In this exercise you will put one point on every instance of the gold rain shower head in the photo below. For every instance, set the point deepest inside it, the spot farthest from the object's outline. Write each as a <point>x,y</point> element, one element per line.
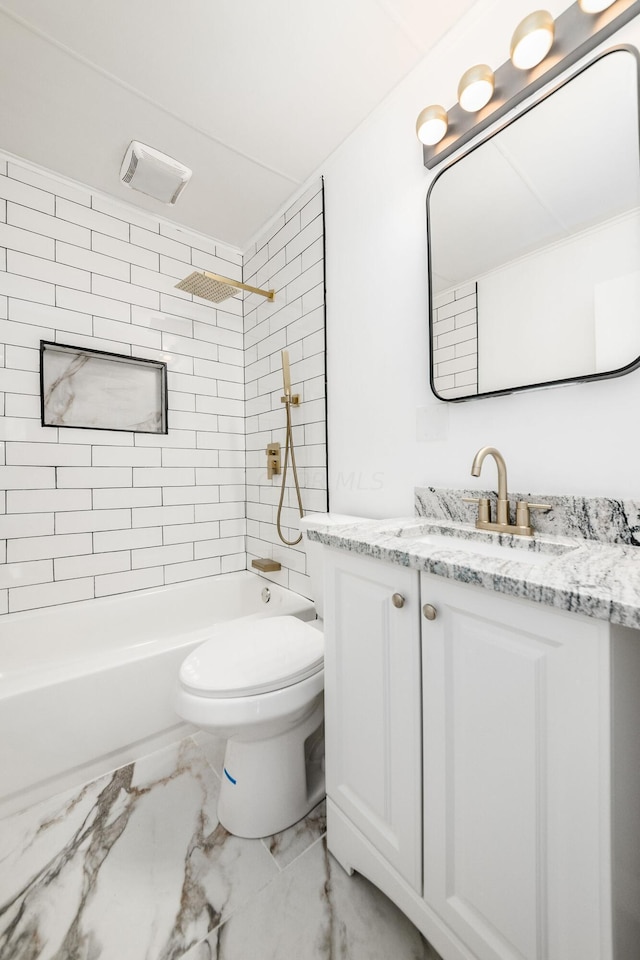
<point>210,286</point>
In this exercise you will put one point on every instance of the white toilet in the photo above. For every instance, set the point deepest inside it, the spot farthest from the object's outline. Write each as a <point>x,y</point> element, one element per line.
<point>260,684</point>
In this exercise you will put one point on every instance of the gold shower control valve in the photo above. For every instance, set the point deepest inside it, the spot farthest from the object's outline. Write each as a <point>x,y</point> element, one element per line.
<point>273,459</point>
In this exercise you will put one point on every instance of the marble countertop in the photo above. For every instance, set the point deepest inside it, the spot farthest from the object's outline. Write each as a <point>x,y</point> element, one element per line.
<point>599,580</point>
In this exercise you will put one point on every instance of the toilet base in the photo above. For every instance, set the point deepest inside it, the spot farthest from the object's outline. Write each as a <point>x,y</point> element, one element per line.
<point>270,784</point>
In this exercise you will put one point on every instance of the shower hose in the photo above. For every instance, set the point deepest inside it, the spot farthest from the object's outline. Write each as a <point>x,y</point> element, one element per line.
<point>289,447</point>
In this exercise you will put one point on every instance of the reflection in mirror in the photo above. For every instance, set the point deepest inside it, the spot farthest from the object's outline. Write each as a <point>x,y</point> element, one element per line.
<point>534,243</point>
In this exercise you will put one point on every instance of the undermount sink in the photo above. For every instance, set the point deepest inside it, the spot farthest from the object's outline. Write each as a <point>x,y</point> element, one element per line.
<point>516,553</point>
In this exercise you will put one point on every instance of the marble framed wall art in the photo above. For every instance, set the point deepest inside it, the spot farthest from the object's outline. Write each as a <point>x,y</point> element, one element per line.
<point>96,390</point>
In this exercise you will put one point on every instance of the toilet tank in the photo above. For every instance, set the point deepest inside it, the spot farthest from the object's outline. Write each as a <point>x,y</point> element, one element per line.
<point>314,552</point>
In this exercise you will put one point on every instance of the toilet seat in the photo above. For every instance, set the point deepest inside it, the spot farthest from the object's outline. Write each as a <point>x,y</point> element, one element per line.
<point>250,657</point>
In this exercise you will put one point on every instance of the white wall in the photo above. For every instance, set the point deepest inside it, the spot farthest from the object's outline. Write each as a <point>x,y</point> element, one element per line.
<point>574,439</point>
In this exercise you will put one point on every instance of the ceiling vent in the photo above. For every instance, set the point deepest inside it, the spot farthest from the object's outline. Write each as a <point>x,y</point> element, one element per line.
<point>153,173</point>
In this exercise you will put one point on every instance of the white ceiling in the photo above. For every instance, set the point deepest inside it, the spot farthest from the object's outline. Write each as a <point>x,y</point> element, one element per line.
<point>253,95</point>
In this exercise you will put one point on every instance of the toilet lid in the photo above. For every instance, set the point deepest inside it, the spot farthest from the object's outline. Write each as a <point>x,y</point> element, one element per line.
<point>247,657</point>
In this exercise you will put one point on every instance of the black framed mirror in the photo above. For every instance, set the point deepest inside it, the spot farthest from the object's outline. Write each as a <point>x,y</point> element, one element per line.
<point>534,243</point>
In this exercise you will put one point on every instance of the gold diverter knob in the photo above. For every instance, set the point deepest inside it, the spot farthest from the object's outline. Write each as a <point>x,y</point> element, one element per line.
<point>397,600</point>
<point>429,611</point>
<point>273,459</point>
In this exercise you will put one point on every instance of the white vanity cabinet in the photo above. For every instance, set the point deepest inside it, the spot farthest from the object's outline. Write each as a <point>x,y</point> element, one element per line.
<point>483,767</point>
<point>516,775</point>
<point>372,704</point>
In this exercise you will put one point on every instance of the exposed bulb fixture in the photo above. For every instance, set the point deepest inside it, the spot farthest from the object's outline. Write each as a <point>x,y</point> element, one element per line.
<point>431,124</point>
<point>573,34</point>
<point>532,40</point>
<point>476,88</point>
<point>594,6</point>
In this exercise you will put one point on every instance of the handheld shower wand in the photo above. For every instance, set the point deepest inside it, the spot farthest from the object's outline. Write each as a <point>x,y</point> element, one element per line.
<point>288,400</point>
<point>286,374</point>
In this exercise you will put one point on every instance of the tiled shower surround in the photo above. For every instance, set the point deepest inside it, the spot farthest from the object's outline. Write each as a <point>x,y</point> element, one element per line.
<point>87,513</point>
<point>455,338</point>
<point>290,259</point>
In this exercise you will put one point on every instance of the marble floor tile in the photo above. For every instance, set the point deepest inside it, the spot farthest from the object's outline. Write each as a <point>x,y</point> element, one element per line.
<point>314,911</point>
<point>134,865</point>
<point>285,846</point>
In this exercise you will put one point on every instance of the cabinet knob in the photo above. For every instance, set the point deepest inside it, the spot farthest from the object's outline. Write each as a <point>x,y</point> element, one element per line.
<point>397,600</point>
<point>429,611</point>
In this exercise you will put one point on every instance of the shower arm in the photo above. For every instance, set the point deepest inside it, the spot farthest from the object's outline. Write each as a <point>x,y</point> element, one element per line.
<point>269,294</point>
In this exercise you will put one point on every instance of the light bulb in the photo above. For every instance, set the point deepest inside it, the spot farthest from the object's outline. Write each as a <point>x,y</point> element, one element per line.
<point>532,40</point>
<point>475,88</point>
<point>431,124</point>
<point>594,6</point>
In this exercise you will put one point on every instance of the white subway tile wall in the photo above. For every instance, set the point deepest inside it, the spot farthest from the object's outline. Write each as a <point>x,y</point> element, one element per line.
<point>290,259</point>
<point>87,513</point>
<point>455,342</point>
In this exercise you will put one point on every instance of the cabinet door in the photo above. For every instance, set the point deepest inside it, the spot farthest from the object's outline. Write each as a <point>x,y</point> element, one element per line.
<point>516,775</point>
<point>373,714</point>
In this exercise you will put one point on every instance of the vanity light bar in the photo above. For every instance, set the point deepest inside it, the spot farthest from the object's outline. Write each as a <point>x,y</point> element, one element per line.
<point>576,32</point>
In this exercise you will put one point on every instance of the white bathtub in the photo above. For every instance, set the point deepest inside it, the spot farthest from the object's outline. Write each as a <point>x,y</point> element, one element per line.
<point>87,686</point>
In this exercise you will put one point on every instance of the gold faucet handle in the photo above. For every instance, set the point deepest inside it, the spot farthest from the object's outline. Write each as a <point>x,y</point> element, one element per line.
<point>522,511</point>
<point>484,515</point>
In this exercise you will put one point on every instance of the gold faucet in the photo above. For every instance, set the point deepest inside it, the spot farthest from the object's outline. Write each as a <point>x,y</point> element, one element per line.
<point>522,526</point>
